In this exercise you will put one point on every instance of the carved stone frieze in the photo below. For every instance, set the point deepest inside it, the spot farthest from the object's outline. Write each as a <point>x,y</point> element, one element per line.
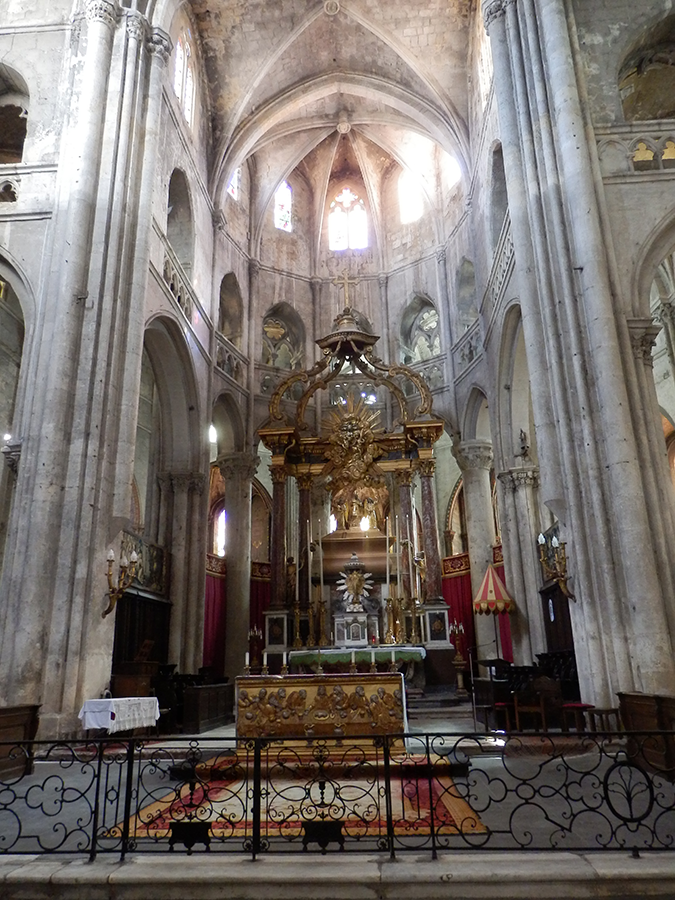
<point>513,479</point>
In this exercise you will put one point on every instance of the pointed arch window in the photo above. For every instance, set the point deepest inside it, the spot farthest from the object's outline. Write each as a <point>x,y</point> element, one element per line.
<point>234,186</point>
<point>183,75</point>
<point>410,200</point>
<point>283,204</point>
<point>347,222</point>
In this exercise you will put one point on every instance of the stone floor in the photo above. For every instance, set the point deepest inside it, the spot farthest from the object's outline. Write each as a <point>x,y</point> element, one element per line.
<point>352,876</point>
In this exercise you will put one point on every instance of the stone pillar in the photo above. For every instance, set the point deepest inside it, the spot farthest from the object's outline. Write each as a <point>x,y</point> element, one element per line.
<point>404,481</point>
<point>432,557</point>
<point>193,647</point>
<point>475,459</point>
<point>520,518</point>
<point>304,556</point>
<point>237,470</point>
<point>253,286</point>
<point>390,348</point>
<point>315,285</point>
<point>444,307</point>
<point>278,548</point>
<point>180,486</point>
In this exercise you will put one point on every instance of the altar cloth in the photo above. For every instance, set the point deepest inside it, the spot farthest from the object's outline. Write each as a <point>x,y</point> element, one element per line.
<point>402,653</point>
<point>119,713</point>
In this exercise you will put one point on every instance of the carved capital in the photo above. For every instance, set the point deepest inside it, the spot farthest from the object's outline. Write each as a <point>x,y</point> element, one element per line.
<point>492,9</point>
<point>159,45</point>
<point>304,482</point>
<point>103,11</point>
<point>181,482</point>
<point>426,467</point>
<point>136,26</point>
<point>241,466</point>
<point>404,478</point>
<point>643,334</point>
<point>253,268</point>
<point>441,255</point>
<point>197,483</point>
<point>278,474</point>
<point>382,280</point>
<point>473,455</point>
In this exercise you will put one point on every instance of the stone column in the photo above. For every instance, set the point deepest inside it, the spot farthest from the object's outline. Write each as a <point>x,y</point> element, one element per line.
<point>432,557</point>
<point>444,307</point>
<point>180,486</point>
<point>390,349</point>
<point>475,459</point>
<point>253,285</point>
<point>304,516</point>
<point>278,548</point>
<point>315,285</point>
<point>238,470</point>
<point>404,481</point>
<point>196,554</point>
<point>520,518</point>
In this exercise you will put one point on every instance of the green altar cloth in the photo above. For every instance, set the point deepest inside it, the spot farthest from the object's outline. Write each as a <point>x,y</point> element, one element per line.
<point>342,656</point>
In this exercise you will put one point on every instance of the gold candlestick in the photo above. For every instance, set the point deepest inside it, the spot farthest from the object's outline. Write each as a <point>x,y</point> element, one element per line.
<point>297,641</point>
<point>389,633</point>
<point>323,641</point>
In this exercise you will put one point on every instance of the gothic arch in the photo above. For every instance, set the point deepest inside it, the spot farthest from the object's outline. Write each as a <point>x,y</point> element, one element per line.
<point>476,419</point>
<point>514,399</point>
<point>230,310</point>
<point>227,421</point>
<point>420,331</point>
<point>646,77</point>
<point>14,100</point>
<point>657,246</point>
<point>499,203</point>
<point>467,304</point>
<point>283,343</point>
<point>179,220</point>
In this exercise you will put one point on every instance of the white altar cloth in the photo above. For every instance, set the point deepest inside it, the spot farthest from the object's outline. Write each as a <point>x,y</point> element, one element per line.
<point>120,713</point>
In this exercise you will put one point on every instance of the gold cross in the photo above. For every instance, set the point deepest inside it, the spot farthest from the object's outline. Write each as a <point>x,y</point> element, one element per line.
<point>344,283</point>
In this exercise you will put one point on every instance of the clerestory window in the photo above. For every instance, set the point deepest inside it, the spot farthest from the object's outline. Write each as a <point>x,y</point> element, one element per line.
<point>347,222</point>
<point>234,186</point>
<point>283,205</point>
<point>183,75</point>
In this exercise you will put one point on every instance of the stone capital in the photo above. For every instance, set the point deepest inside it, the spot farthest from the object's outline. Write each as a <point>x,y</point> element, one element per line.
<point>241,466</point>
<point>382,280</point>
<point>12,453</point>
<point>473,455</point>
<point>137,26</point>
<point>441,255</point>
<point>103,11</point>
<point>643,334</point>
<point>492,9</point>
<point>198,482</point>
<point>253,268</point>
<point>159,45</point>
<point>304,482</point>
<point>279,475</point>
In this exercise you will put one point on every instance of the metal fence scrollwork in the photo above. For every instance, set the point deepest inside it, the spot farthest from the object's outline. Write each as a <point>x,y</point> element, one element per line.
<point>552,791</point>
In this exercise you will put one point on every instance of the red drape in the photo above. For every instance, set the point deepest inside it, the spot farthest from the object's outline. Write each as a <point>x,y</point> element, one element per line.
<point>261,593</point>
<point>504,620</point>
<point>214,622</point>
<point>457,594</point>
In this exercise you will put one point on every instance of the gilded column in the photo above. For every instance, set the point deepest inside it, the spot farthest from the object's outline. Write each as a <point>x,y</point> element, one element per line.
<point>404,482</point>
<point>278,548</point>
<point>304,516</point>
<point>432,557</point>
<point>237,470</point>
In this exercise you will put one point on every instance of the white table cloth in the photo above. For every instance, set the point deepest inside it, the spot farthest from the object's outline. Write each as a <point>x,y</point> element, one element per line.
<point>120,713</point>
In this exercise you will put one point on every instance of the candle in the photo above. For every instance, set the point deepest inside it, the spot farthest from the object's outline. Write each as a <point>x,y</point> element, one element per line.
<point>285,658</point>
<point>387,555</point>
<point>264,657</point>
<point>398,553</point>
<point>353,657</point>
<point>393,655</point>
<point>320,560</point>
<point>246,658</point>
<point>372,657</point>
<point>410,557</point>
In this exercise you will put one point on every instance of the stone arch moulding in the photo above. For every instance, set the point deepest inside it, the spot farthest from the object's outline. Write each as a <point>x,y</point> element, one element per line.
<point>182,441</point>
<point>476,417</point>
<point>513,395</point>
<point>227,419</point>
<point>11,271</point>
<point>658,244</point>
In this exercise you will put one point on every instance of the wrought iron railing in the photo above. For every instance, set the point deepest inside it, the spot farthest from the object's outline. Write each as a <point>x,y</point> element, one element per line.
<point>552,791</point>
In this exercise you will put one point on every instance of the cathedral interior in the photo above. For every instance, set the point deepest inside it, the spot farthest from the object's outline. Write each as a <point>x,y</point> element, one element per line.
<point>284,282</point>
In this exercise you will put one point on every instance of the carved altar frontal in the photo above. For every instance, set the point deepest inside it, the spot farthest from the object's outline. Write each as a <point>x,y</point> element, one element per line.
<point>320,705</point>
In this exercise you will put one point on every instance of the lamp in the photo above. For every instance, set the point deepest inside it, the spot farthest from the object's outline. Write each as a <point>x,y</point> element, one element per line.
<point>125,575</point>
<point>554,563</point>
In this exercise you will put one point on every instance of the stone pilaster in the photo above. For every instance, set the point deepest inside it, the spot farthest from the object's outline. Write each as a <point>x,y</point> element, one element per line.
<point>237,470</point>
<point>520,527</point>
<point>475,459</point>
<point>432,557</point>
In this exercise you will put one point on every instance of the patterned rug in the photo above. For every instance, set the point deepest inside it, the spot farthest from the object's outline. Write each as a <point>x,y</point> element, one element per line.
<point>296,792</point>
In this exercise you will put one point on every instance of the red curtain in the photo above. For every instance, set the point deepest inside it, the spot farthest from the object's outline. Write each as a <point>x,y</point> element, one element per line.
<point>504,619</point>
<point>214,622</point>
<point>457,594</point>
<point>261,594</point>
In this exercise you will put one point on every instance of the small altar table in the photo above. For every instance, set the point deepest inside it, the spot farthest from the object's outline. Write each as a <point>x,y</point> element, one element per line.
<point>120,713</point>
<point>382,654</point>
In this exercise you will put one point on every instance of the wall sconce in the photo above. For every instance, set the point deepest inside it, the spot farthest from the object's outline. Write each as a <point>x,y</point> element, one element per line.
<point>554,562</point>
<point>125,576</point>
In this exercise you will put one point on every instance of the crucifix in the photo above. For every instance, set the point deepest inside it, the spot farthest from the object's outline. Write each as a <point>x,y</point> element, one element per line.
<point>344,283</point>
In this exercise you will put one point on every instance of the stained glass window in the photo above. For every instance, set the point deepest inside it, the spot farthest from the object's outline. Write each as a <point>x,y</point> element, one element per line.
<point>347,222</point>
<point>183,76</point>
<point>235,184</point>
<point>283,201</point>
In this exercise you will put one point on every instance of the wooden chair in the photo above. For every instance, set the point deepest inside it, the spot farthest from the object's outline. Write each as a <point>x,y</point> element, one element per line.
<point>542,701</point>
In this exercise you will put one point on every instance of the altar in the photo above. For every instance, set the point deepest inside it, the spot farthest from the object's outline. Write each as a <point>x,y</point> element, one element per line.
<point>320,705</point>
<point>340,658</point>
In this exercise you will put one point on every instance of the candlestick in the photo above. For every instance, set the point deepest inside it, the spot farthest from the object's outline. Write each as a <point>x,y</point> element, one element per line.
<point>410,557</point>
<point>309,567</point>
<point>398,554</point>
<point>320,559</point>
